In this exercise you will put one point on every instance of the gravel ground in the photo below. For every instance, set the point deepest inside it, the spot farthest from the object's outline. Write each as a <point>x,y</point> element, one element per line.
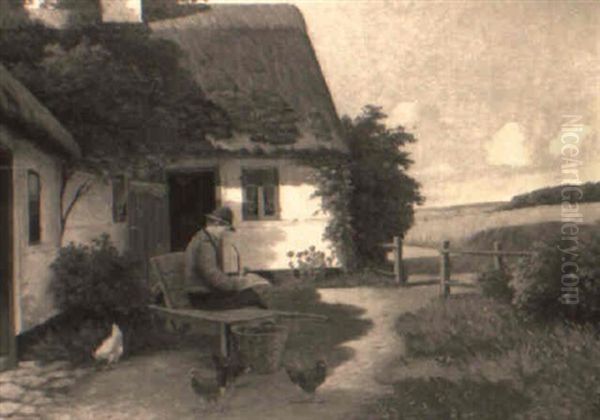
<point>156,386</point>
<point>30,390</point>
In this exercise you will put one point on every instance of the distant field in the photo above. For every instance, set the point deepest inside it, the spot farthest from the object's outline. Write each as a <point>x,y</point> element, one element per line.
<point>458,224</point>
<point>478,227</point>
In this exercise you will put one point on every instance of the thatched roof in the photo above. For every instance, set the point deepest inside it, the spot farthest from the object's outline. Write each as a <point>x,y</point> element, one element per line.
<point>22,111</point>
<point>257,62</point>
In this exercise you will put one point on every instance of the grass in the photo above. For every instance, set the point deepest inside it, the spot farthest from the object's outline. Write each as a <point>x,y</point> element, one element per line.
<point>510,369</point>
<point>453,330</point>
<point>439,398</point>
<point>459,264</point>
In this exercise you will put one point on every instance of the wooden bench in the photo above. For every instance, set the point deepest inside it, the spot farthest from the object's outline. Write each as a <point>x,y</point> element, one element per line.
<point>166,276</point>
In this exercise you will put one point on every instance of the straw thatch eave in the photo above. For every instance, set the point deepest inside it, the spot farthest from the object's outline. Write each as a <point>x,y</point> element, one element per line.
<point>257,62</point>
<point>23,112</point>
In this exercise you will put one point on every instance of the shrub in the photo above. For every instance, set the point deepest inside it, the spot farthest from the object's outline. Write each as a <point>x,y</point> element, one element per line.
<point>495,284</point>
<point>96,280</point>
<point>539,282</point>
<point>94,286</point>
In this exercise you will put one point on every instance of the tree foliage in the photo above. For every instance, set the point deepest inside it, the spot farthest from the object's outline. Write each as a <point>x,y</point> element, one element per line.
<point>383,193</point>
<point>115,87</point>
<point>584,193</point>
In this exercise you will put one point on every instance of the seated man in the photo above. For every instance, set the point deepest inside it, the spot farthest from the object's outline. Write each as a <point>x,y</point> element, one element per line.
<point>203,270</point>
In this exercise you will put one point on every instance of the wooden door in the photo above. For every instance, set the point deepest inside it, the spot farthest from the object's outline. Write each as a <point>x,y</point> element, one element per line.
<point>148,221</point>
<point>7,336</point>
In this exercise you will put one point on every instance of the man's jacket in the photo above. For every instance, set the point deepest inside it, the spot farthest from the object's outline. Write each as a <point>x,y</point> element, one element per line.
<point>203,267</point>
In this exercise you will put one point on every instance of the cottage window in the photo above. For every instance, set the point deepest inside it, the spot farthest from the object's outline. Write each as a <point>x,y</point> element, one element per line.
<point>34,204</point>
<point>119,193</point>
<point>260,194</point>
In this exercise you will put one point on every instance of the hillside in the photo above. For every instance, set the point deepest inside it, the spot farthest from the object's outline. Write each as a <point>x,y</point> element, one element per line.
<point>457,225</point>
<point>590,193</point>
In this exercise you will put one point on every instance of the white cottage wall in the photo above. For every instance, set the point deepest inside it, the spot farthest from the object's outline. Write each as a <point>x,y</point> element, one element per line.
<point>264,244</point>
<point>92,214</point>
<point>31,261</point>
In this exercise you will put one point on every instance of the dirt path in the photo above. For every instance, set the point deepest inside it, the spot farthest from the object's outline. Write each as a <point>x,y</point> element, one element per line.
<point>156,386</point>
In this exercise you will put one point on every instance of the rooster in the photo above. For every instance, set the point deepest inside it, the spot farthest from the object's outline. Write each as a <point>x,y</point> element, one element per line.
<point>308,379</point>
<point>111,349</point>
<point>228,370</point>
<point>209,390</point>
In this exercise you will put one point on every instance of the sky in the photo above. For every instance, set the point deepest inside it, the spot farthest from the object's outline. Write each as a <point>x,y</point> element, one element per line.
<point>486,86</point>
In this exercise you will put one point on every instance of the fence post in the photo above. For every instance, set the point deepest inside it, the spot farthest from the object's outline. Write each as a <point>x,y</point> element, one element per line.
<point>498,263</point>
<point>398,268</point>
<point>445,269</point>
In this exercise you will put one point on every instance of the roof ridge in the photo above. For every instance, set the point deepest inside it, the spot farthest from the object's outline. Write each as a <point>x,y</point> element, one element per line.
<point>240,16</point>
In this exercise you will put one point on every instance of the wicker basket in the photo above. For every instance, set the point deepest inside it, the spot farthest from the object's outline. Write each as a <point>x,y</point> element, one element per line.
<point>260,346</point>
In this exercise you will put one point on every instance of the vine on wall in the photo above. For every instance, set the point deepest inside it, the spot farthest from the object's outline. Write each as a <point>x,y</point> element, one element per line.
<point>331,175</point>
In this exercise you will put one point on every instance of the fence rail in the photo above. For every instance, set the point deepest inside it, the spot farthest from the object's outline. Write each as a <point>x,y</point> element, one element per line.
<point>497,254</point>
<point>399,273</point>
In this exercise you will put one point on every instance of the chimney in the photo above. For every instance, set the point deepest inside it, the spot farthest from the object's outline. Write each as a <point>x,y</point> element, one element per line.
<point>121,11</point>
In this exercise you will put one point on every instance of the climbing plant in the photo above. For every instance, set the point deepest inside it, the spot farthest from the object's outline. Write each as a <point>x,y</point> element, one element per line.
<point>384,194</point>
<point>331,175</point>
<point>367,192</point>
<point>119,90</point>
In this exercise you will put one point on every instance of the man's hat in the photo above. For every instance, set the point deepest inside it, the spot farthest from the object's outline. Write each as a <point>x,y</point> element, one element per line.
<point>223,215</point>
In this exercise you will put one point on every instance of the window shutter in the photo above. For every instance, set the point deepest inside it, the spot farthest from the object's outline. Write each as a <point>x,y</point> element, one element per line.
<point>148,220</point>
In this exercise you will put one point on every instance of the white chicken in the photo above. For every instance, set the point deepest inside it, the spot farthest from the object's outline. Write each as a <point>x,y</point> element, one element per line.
<point>111,349</point>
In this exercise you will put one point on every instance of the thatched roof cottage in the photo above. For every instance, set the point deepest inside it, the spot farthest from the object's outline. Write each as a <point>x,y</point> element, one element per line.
<point>33,150</point>
<point>257,63</point>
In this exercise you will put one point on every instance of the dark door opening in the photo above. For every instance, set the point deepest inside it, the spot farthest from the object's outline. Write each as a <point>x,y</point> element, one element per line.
<point>191,197</point>
<point>7,339</point>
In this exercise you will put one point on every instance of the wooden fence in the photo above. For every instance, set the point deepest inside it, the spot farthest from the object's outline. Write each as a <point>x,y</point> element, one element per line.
<point>497,254</point>
<point>399,273</point>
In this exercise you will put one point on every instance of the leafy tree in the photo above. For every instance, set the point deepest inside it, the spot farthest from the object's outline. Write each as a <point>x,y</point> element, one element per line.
<point>584,193</point>
<point>383,194</point>
<point>119,90</point>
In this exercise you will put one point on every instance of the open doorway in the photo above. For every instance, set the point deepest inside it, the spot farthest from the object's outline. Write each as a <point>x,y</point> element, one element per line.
<point>192,195</point>
<point>7,339</point>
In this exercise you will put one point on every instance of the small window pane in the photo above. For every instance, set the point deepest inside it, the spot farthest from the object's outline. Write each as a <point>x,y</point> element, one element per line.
<point>34,189</point>
<point>269,200</point>
<point>260,193</point>
<point>251,202</point>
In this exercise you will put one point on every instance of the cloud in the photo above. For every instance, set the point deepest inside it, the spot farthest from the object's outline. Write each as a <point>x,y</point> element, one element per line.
<point>507,147</point>
<point>405,114</point>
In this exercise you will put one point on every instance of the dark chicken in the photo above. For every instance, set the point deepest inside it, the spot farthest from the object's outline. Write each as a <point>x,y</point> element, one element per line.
<point>204,387</point>
<point>308,379</point>
<point>228,369</point>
